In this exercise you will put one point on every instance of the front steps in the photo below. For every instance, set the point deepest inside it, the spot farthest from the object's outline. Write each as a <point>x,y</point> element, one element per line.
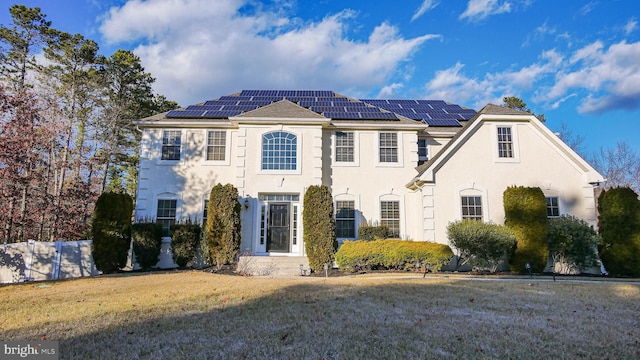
<point>272,265</point>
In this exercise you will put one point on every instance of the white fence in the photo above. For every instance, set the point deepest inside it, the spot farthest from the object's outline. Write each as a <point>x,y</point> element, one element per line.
<point>36,261</point>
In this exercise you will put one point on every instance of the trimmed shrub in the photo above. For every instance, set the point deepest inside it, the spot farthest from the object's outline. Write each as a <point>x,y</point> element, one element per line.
<point>147,241</point>
<point>484,245</point>
<point>319,226</point>
<point>525,211</point>
<point>572,243</point>
<point>185,239</point>
<point>111,231</point>
<point>223,225</point>
<point>392,254</point>
<point>374,232</point>
<point>619,222</point>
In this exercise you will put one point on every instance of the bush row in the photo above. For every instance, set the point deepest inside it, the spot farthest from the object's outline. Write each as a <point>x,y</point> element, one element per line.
<point>392,254</point>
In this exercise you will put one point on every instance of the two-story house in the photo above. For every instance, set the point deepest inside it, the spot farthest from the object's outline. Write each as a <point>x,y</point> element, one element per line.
<point>413,165</point>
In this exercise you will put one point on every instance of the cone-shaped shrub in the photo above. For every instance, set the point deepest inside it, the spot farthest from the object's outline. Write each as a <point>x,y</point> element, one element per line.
<point>525,211</point>
<point>223,224</point>
<point>111,231</point>
<point>319,226</point>
<point>184,242</point>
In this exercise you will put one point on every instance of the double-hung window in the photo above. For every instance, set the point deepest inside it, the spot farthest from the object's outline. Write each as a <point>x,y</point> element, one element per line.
<point>216,145</point>
<point>345,219</point>
<point>553,210</point>
<point>344,146</point>
<point>423,154</point>
<point>279,151</point>
<point>166,215</point>
<point>388,147</point>
<point>472,207</point>
<point>171,140</point>
<point>505,142</point>
<point>390,216</point>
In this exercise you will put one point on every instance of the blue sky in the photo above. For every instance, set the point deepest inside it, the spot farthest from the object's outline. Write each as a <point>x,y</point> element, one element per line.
<point>578,62</point>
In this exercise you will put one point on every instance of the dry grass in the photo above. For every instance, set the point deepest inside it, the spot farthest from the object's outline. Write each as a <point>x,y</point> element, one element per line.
<point>190,315</point>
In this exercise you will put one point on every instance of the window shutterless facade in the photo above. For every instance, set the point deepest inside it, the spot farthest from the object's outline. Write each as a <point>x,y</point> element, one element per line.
<point>166,214</point>
<point>505,142</point>
<point>388,147</point>
<point>216,145</point>
<point>279,151</point>
<point>390,216</point>
<point>472,207</point>
<point>423,155</point>
<point>553,210</point>
<point>345,219</point>
<point>171,141</point>
<point>344,146</point>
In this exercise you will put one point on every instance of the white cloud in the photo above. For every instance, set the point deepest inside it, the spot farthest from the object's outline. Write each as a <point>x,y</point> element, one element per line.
<point>389,91</point>
<point>587,8</point>
<point>631,26</point>
<point>198,49</point>
<point>478,10</point>
<point>426,6</point>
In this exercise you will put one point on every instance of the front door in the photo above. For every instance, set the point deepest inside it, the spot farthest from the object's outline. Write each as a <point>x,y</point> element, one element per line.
<point>278,230</point>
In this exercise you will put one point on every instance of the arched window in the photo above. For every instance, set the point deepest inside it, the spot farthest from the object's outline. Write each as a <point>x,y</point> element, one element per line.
<point>279,151</point>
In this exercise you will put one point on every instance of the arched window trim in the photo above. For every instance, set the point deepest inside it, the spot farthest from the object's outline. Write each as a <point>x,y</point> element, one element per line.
<point>279,151</point>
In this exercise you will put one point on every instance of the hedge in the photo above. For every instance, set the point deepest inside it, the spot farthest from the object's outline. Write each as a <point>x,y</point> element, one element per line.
<point>392,254</point>
<point>319,226</point>
<point>619,222</point>
<point>185,239</point>
<point>525,211</point>
<point>374,232</point>
<point>147,241</point>
<point>111,231</point>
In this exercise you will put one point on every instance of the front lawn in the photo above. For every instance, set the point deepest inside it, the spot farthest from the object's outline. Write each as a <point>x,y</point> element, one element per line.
<point>189,315</point>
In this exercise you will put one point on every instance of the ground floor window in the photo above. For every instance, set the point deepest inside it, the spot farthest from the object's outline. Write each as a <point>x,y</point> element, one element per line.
<point>553,210</point>
<point>390,216</point>
<point>472,207</point>
<point>166,215</point>
<point>345,219</point>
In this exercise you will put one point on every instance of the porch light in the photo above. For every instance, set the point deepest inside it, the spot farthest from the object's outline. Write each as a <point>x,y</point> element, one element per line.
<point>246,204</point>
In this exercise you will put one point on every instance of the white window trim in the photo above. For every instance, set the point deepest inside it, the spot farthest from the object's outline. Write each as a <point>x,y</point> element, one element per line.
<point>403,213</point>
<point>356,150</point>
<point>514,140</point>
<point>472,191</point>
<point>400,140</point>
<point>168,196</point>
<point>356,207</point>
<point>227,150</point>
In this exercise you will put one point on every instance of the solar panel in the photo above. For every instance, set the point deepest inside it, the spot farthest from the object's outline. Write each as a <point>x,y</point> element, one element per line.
<point>442,122</point>
<point>239,107</point>
<point>320,109</point>
<point>235,98</point>
<point>203,107</point>
<point>185,113</point>
<point>221,114</point>
<point>379,115</point>
<point>362,109</point>
<point>341,115</point>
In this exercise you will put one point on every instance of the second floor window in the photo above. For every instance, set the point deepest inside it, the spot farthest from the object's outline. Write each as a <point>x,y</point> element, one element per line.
<point>279,151</point>
<point>344,146</point>
<point>423,154</point>
<point>216,145</point>
<point>388,147</point>
<point>171,140</point>
<point>505,142</point>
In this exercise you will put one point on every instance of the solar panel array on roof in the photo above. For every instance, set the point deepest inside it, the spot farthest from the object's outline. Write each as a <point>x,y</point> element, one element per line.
<point>431,112</point>
<point>328,104</point>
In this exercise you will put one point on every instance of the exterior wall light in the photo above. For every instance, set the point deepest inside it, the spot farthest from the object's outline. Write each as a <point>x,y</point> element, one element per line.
<point>246,204</point>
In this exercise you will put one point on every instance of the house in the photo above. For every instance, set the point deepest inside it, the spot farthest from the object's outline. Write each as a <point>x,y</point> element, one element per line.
<point>413,165</point>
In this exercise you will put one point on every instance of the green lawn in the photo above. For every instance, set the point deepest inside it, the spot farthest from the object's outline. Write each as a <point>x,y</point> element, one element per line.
<point>189,315</point>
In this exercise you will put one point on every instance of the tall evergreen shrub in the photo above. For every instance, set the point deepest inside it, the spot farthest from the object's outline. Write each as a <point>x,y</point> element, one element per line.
<point>619,222</point>
<point>185,239</point>
<point>223,224</point>
<point>525,211</point>
<point>147,241</point>
<point>319,226</point>
<point>111,231</point>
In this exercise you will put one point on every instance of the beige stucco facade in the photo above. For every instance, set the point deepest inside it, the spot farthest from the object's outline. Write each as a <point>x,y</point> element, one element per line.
<point>462,161</point>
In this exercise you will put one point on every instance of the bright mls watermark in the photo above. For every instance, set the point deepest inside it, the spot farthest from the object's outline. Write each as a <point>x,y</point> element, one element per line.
<point>46,350</point>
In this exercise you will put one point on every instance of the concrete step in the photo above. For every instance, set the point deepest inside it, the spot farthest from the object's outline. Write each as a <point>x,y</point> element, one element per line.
<point>272,265</point>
